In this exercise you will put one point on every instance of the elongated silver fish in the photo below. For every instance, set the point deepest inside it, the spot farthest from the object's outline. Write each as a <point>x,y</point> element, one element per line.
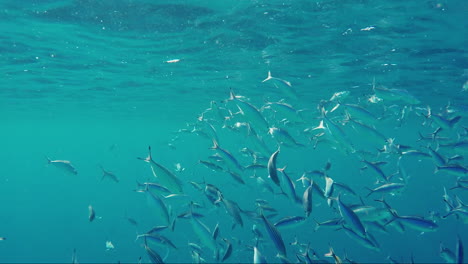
<point>64,165</point>
<point>108,174</point>
<point>91,214</point>
<point>386,188</point>
<point>274,234</point>
<point>272,171</point>
<point>351,219</point>
<point>165,176</point>
<point>307,200</point>
<point>231,161</point>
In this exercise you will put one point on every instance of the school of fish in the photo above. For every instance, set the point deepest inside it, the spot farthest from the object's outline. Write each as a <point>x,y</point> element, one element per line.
<point>236,190</point>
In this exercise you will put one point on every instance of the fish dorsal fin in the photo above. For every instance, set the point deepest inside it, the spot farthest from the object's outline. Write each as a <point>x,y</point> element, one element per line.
<point>232,95</point>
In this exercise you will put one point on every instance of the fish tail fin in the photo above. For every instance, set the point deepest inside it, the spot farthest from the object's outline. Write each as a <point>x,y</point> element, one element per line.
<point>48,160</point>
<point>149,158</point>
<point>317,224</point>
<point>282,169</point>
<point>215,144</point>
<point>269,77</point>
<point>370,191</point>
<point>437,169</point>
<point>454,120</point>
<point>331,253</point>
<point>320,126</point>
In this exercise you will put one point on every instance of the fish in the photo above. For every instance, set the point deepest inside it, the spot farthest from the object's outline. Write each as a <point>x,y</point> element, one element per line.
<point>211,165</point>
<point>274,234</point>
<point>203,233</point>
<point>291,187</point>
<point>350,218</point>
<point>285,110</point>
<point>386,188</point>
<point>153,255</point>
<point>285,86</point>
<point>91,214</point>
<point>331,222</point>
<point>158,206</point>
<point>153,187</point>
<point>228,251</point>
<point>165,176</point>
<point>283,137</point>
<point>453,169</point>
<point>459,254</point>
<point>232,208</point>
<point>251,113</point>
<point>447,254</point>
<point>359,113</point>
<point>158,239</point>
<point>329,186</point>
<point>64,165</point>
<point>376,168</point>
<point>371,213</point>
<point>364,241</point>
<point>396,95</point>
<point>258,258</point>
<point>237,177</point>
<point>231,161</point>
<point>307,200</point>
<point>109,245</point>
<point>108,174</point>
<point>290,221</point>
<point>272,171</point>
<point>336,133</point>
<point>414,222</point>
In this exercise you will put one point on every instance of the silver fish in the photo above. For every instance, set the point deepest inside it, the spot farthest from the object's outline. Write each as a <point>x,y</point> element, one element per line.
<point>165,176</point>
<point>64,165</point>
<point>272,171</point>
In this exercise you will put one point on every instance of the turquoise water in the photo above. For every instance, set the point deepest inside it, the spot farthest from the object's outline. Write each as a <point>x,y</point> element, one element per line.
<point>97,82</point>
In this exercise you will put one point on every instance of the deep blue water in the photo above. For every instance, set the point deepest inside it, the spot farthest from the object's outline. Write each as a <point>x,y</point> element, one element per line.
<point>95,83</point>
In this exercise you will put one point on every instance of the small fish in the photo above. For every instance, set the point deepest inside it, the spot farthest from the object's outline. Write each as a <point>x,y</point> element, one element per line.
<point>307,200</point>
<point>453,169</point>
<point>376,168</point>
<point>159,239</point>
<point>108,174</point>
<point>274,234</point>
<point>283,85</point>
<point>109,245</point>
<point>157,229</point>
<point>459,254</point>
<point>258,258</point>
<point>233,209</point>
<point>153,255</point>
<point>230,160</point>
<point>165,176</point>
<point>351,219</point>
<point>211,165</point>
<point>64,165</point>
<point>228,251</point>
<point>91,214</point>
<point>290,221</point>
<point>386,188</point>
<point>272,171</point>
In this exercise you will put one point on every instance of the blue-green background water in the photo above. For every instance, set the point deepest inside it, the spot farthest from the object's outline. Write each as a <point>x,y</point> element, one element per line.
<point>89,82</point>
